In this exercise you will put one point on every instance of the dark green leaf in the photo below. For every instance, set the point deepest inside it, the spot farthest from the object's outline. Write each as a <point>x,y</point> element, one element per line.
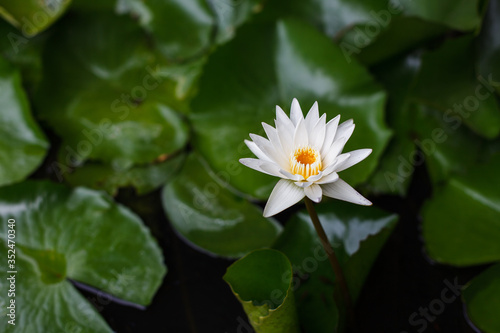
<point>447,145</point>
<point>393,173</point>
<point>185,30</point>
<point>143,178</point>
<point>461,223</point>
<point>32,16</point>
<point>488,45</point>
<point>458,92</point>
<point>482,297</point>
<point>112,104</point>
<point>23,143</point>
<point>262,282</point>
<point>401,35</point>
<point>182,29</point>
<point>80,235</point>
<point>32,295</point>
<point>208,215</point>
<point>460,15</point>
<point>332,16</point>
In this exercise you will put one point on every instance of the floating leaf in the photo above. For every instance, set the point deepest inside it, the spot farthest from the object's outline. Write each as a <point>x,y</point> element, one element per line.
<point>461,223</point>
<point>188,30</point>
<point>401,35</point>
<point>458,92</point>
<point>395,170</point>
<point>105,177</point>
<point>112,105</point>
<point>460,15</point>
<point>482,297</point>
<point>262,282</point>
<point>23,144</point>
<point>332,16</point>
<point>32,16</point>
<point>488,45</point>
<point>208,215</point>
<point>77,234</point>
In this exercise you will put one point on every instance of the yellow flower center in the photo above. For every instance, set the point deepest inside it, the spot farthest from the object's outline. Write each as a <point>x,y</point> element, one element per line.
<point>305,161</point>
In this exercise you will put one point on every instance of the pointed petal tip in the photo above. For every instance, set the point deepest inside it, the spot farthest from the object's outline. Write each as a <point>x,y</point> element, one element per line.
<point>284,195</point>
<point>266,214</point>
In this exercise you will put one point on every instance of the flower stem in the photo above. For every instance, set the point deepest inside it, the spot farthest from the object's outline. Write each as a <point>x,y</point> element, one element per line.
<point>339,275</point>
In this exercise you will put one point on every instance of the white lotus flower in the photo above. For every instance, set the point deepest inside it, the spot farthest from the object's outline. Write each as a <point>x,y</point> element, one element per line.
<point>306,154</point>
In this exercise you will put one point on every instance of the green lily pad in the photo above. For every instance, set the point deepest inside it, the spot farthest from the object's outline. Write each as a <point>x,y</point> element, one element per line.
<point>461,223</point>
<point>395,170</point>
<point>458,92</point>
<point>357,235</point>
<point>32,16</point>
<point>105,177</point>
<point>482,297</point>
<point>231,14</point>
<point>23,143</point>
<point>460,15</point>
<point>112,105</point>
<point>188,30</point>
<point>182,29</point>
<point>332,17</point>
<point>488,45</point>
<point>76,234</point>
<point>268,65</point>
<point>24,53</point>
<point>202,210</point>
<point>401,35</point>
<point>448,146</point>
<point>262,282</point>
<point>36,301</point>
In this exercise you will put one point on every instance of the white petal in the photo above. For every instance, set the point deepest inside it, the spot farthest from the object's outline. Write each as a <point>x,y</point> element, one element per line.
<point>331,129</point>
<point>266,147</point>
<point>356,157</point>
<point>315,177</point>
<point>284,195</point>
<point>285,129</point>
<point>314,192</point>
<point>291,176</point>
<point>317,133</point>
<point>280,157</point>
<point>266,167</point>
<point>345,130</point>
<point>336,163</point>
<point>296,112</point>
<point>328,178</point>
<point>256,151</point>
<point>334,151</point>
<point>303,184</point>
<point>343,191</point>
<point>312,117</point>
<point>300,137</point>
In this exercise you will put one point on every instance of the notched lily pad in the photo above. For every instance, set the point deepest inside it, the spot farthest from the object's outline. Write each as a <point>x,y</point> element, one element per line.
<point>202,209</point>
<point>262,282</point>
<point>76,234</point>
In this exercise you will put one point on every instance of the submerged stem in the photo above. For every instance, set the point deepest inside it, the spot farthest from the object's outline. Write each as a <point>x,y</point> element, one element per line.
<point>339,275</point>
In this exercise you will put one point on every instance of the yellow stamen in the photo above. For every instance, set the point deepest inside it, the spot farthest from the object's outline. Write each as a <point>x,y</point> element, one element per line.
<point>305,161</point>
